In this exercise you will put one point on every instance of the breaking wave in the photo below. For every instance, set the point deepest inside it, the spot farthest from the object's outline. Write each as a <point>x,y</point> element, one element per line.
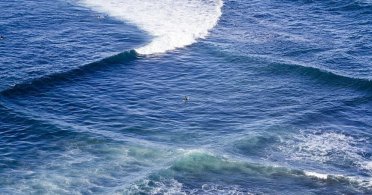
<point>198,172</point>
<point>329,148</point>
<point>172,23</point>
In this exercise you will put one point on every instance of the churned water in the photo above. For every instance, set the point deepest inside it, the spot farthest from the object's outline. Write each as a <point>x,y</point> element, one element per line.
<point>278,97</point>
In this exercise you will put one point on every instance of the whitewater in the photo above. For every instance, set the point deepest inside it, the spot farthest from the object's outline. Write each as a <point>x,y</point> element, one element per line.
<point>278,97</point>
<point>172,23</point>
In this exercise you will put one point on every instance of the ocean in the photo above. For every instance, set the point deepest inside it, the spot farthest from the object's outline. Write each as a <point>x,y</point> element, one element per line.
<point>186,97</point>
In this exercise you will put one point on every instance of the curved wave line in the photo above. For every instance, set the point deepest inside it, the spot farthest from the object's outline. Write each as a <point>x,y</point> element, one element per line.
<point>173,24</point>
<point>52,79</point>
<point>200,158</point>
<point>290,66</point>
<point>328,76</point>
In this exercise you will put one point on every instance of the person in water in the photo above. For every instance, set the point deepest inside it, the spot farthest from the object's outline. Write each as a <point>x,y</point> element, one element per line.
<point>2,37</point>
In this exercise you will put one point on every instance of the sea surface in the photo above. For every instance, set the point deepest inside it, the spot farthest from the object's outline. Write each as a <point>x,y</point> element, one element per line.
<point>186,97</point>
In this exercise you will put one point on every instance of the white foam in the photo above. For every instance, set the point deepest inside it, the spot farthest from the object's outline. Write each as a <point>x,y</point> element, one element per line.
<point>162,186</point>
<point>212,189</point>
<point>316,175</point>
<point>172,23</point>
<point>362,181</point>
<point>328,148</point>
<point>368,165</point>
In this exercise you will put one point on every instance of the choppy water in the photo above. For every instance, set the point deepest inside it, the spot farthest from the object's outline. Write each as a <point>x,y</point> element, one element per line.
<point>280,97</point>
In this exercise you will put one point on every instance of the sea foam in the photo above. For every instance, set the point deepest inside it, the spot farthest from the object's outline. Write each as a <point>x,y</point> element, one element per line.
<point>172,23</point>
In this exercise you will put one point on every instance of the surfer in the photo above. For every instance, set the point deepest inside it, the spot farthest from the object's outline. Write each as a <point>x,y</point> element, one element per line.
<point>2,37</point>
<point>186,98</point>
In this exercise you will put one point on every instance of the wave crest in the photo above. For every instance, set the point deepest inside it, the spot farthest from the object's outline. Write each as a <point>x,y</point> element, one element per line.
<point>172,23</point>
<point>58,77</point>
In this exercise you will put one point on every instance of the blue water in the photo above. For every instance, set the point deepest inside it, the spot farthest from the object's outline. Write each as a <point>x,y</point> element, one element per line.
<point>280,100</point>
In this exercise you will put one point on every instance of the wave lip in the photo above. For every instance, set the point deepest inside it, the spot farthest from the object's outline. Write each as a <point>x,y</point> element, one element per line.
<point>172,23</point>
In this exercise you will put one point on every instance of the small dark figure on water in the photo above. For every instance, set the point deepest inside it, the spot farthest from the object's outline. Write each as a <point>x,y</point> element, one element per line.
<point>186,99</point>
<point>101,16</point>
<point>2,37</point>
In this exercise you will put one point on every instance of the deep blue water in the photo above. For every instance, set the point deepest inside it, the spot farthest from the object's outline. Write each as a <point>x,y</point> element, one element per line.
<point>280,100</point>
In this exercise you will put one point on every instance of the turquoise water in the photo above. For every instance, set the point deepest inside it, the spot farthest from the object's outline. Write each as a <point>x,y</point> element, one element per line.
<point>92,97</point>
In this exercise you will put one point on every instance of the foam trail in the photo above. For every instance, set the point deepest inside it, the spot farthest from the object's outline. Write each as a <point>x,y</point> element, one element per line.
<point>362,181</point>
<point>172,23</point>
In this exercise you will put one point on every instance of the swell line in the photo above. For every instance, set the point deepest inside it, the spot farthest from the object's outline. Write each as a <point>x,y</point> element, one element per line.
<point>18,112</point>
<point>327,76</point>
<point>173,24</point>
<point>55,78</point>
<point>283,66</point>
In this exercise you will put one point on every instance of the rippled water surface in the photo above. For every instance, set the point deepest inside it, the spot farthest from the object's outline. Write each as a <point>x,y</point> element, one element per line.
<point>279,94</point>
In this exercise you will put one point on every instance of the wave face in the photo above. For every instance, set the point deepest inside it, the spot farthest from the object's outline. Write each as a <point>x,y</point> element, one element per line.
<point>172,23</point>
<point>37,84</point>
